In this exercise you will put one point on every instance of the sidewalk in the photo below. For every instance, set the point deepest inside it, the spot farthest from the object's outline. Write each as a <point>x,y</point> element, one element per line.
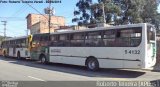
<point>156,67</point>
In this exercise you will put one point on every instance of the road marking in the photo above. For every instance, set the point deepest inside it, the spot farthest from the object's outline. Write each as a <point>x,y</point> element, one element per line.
<point>36,78</point>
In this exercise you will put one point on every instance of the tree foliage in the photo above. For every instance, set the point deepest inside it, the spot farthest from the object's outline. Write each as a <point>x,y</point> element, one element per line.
<point>117,12</point>
<point>83,10</point>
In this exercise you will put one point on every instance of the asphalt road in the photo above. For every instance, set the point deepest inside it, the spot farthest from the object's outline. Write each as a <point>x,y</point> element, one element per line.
<point>26,70</point>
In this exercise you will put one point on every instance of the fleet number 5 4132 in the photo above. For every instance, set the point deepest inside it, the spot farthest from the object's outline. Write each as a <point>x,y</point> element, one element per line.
<point>132,52</point>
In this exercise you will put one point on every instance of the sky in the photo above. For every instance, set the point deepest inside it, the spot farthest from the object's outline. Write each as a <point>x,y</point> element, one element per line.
<point>16,23</point>
<point>15,14</point>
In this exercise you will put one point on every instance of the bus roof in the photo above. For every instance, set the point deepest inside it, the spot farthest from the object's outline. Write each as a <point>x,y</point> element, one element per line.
<point>103,28</point>
<point>15,38</point>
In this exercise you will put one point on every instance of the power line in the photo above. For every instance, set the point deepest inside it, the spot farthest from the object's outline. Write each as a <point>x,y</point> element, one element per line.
<point>12,18</point>
<point>12,32</point>
<point>36,10</point>
<point>1,32</point>
<point>20,11</point>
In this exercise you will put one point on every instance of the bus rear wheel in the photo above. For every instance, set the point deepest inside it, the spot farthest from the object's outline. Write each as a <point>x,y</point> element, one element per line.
<point>92,64</point>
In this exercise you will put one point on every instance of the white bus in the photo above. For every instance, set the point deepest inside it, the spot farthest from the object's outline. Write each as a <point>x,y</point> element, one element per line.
<point>16,47</point>
<point>123,46</point>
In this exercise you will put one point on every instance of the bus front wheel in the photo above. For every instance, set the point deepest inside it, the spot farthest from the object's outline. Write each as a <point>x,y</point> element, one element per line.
<point>43,59</point>
<point>18,55</point>
<point>92,64</point>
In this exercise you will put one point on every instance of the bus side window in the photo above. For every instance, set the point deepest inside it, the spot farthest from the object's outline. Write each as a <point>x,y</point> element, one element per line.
<point>54,40</point>
<point>63,40</point>
<point>77,39</point>
<point>129,37</point>
<point>2,44</point>
<point>94,39</point>
<point>109,38</point>
<point>119,40</point>
<point>118,34</point>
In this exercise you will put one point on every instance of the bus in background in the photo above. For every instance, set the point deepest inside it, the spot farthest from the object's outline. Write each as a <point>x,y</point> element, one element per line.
<point>16,47</point>
<point>1,51</point>
<point>123,46</point>
<point>38,44</point>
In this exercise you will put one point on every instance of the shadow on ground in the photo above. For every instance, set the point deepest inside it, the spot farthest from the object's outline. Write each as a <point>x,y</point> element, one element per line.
<point>156,68</point>
<point>155,83</point>
<point>111,73</point>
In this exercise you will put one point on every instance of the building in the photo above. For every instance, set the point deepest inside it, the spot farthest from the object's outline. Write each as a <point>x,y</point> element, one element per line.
<point>38,23</point>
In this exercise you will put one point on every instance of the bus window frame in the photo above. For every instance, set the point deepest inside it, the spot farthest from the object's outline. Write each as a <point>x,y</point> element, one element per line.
<point>55,43</point>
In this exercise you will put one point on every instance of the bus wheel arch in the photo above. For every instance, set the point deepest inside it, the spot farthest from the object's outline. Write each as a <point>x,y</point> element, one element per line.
<point>92,63</point>
<point>43,58</point>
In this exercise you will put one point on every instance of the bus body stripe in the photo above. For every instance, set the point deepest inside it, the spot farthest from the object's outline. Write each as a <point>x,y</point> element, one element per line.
<point>97,58</point>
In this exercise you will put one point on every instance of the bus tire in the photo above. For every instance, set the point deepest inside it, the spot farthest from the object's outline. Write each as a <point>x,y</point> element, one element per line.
<point>92,64</point>
<point>18,55</point>
<point>43,59</point>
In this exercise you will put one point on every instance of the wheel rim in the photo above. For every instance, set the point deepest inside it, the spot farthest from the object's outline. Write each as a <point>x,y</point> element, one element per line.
<point>18,56</point>
<point>43,60</point>
<point>92,65</point>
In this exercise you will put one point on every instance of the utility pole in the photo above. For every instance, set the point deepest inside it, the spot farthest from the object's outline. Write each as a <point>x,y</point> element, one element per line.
<point>5,22</point>
<point>104,15</point>
<point>49,21</point>
<point>49,11</point>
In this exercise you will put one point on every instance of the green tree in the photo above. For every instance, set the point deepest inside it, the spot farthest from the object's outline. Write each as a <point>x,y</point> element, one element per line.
<point>111,9</point>
<point>118,12</point>
<point>93,13</point>
<point>150,14</point>
<point>130,11</point>
<point>83,13</point>
<point>149,10</point>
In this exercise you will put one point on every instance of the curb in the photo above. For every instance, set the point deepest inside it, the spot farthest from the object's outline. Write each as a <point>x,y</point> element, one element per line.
<point>154,69</point>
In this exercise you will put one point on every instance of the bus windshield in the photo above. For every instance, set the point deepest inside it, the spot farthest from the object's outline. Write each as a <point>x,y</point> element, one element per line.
<point>151,33</point>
